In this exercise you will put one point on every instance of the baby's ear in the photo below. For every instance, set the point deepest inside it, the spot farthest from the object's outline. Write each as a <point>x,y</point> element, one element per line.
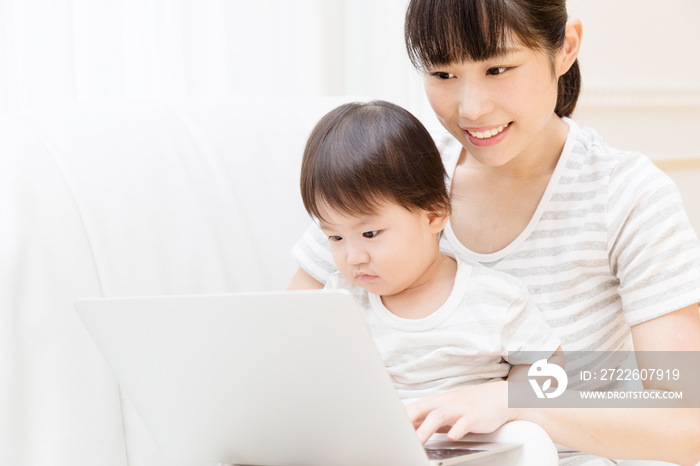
<point>438,220</point>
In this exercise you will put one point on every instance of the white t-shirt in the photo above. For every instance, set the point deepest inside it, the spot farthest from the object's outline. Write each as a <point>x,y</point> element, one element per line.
<point>609,246</point>
<point>487,322</point>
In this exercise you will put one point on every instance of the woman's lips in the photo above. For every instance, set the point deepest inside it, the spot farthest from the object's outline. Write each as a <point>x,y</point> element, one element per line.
<point>488,137</point>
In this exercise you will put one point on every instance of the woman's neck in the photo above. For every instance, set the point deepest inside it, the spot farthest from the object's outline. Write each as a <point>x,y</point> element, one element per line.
<point>492,205</point>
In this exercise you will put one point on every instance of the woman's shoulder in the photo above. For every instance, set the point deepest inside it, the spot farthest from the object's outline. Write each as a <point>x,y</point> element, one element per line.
<point>443,139</point>
<point>590,153</point>
<point>587,144</point>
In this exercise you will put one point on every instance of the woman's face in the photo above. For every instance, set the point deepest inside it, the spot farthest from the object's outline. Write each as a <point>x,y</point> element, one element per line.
<point>500,109</point>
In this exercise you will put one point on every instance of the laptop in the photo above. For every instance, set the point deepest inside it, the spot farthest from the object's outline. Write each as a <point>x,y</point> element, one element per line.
<point>268,378</point>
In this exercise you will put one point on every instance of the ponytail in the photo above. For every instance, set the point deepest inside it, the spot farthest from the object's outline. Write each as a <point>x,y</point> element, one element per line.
<point>569,87</point>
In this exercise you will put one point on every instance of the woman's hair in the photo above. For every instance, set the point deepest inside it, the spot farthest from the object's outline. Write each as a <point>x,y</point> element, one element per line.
<point>362,154</point>
<point>440,32</point>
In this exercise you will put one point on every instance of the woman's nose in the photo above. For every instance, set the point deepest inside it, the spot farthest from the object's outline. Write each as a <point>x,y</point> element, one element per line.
<point>474,102</point>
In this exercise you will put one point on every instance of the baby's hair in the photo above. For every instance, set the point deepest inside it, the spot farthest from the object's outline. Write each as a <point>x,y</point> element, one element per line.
<point>362,154</point>
<point>440,32</point>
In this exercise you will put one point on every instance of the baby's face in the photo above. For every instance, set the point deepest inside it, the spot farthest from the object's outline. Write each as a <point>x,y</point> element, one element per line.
<point>385,252</point>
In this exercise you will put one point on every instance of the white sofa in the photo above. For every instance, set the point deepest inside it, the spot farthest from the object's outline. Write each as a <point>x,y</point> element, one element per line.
<point>123,199</point>
<point>129,198</point>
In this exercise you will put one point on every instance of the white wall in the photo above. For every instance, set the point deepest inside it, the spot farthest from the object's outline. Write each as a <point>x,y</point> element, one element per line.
<point>641,71</point>
<point>640,63</point>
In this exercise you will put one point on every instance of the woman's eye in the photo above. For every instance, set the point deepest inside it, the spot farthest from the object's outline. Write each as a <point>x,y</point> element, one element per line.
<point>496,71</point>
<point>335,238</point>
<point>443,75</point>
<point>370,234</point>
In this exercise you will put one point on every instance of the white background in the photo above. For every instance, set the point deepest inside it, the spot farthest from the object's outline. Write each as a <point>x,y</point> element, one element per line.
<point>640,58</point>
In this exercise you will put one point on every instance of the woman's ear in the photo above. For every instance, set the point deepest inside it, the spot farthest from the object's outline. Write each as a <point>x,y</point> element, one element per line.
<point>572,45</point>
<point>437,220</point>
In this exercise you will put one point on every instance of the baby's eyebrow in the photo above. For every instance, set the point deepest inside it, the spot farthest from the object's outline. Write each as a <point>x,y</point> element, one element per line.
<point>322,224</point>
<point>360,222</point>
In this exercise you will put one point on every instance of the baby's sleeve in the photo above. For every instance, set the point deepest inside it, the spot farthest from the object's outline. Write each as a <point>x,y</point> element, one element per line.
<point>526,335</point>
<point>313,254</point>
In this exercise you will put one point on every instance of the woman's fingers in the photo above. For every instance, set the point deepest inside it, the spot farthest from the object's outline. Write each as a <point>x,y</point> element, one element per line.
<point>435,414</point>
<point>461,428</point>
<point>436,419</point>
<point>419,410</point>
<point>479,408</point>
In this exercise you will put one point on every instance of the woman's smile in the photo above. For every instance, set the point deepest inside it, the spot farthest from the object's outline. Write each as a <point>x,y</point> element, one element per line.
<point>486,137</point>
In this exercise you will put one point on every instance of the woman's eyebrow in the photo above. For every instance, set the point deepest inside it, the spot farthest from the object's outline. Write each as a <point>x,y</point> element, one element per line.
<point>501,54</point>
<point>510,50</point>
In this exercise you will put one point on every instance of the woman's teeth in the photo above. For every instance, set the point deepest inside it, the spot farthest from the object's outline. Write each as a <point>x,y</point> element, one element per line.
<point>487,134</point>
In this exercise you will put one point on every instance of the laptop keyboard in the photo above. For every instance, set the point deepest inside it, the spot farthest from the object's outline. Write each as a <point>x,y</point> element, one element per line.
<point>444,453</point>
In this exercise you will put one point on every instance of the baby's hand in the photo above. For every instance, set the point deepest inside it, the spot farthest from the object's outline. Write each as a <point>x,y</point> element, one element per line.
<point>479,409</point>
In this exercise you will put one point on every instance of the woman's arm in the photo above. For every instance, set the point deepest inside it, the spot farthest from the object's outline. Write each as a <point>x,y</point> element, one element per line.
<point>665,434</point>
<point>303,281</point>
<point>662,434</point>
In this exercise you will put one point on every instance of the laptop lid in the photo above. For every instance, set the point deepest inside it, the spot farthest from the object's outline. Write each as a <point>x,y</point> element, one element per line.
<point>270,378</point>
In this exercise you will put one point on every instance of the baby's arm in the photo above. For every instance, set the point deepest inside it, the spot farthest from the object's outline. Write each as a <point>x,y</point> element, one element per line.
<point>519,372</point>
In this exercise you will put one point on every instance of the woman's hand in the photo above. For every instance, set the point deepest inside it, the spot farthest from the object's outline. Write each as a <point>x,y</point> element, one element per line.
<point>479,409</point>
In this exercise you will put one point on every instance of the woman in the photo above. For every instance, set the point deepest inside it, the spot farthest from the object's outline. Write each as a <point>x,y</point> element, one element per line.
<point>598,235</point>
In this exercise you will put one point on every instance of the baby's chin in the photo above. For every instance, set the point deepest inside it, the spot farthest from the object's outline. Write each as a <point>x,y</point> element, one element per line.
<point>378,288</point>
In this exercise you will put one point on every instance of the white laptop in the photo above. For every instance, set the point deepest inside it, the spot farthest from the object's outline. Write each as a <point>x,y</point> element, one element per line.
<point>276,378</point>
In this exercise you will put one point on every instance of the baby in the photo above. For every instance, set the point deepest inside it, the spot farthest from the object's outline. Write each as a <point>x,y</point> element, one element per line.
<point>373,179</point>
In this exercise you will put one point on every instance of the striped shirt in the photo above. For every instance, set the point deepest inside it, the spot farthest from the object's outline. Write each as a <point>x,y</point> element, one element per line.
<point>487,323</point>
<point>609,246</point>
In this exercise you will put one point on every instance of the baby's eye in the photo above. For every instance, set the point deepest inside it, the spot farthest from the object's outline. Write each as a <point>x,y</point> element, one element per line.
<point>496,71</point>
<point>370,234</point>
<point>443,75</point>
<point>335,238</point>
